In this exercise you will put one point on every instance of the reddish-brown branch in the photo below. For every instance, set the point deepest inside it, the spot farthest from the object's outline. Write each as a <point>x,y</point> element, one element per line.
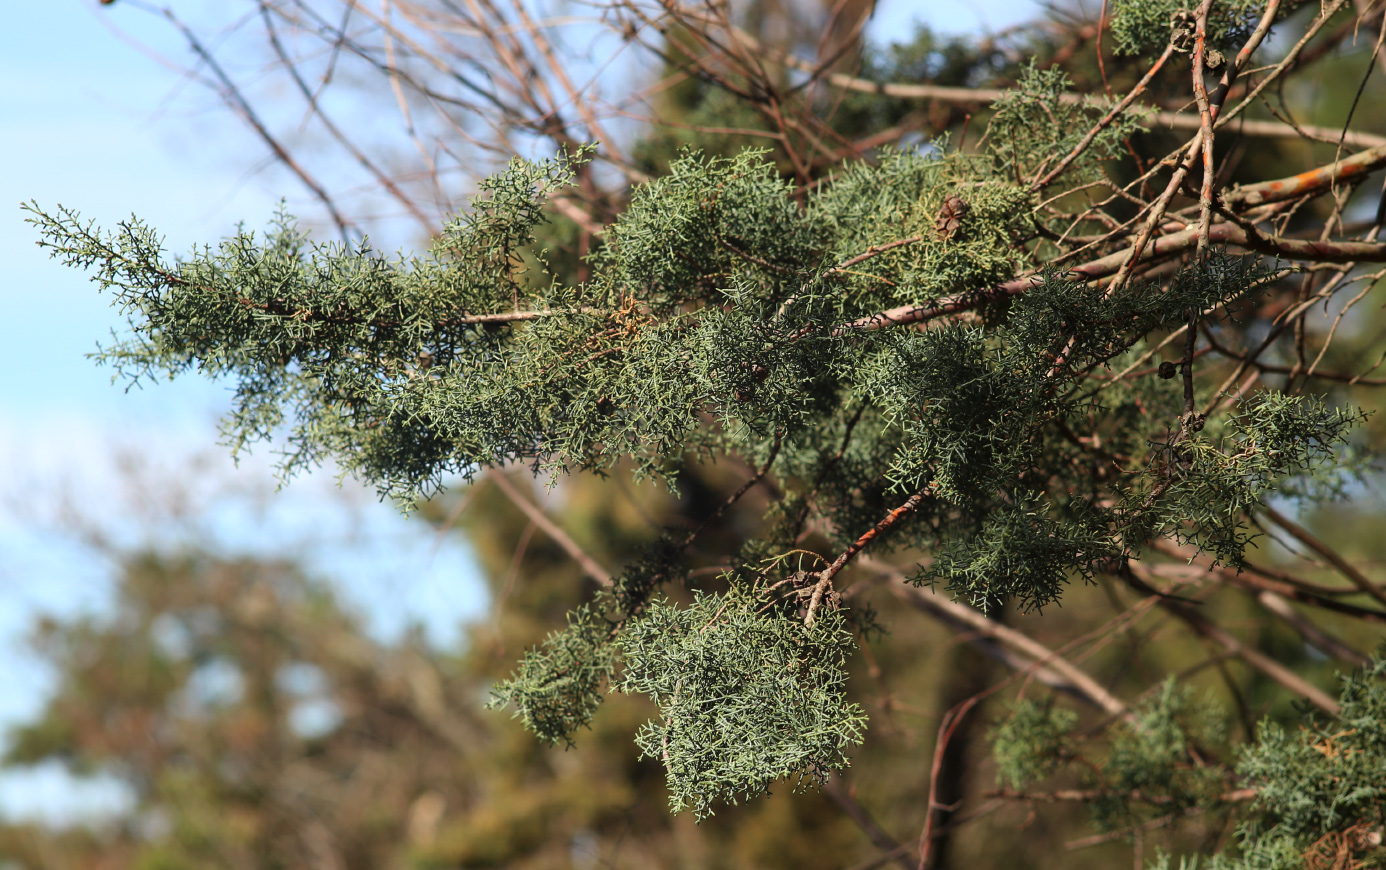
<point>1107,119</point>
<point>946,729</point>
<point>1206,111</point>
<point>825,577</point>
<point>1314,251</point>
<point>1316,180</point>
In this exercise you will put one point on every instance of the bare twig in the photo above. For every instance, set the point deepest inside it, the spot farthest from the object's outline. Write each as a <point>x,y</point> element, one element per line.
<point>974,619</point>
<point>1344,567</point>
<point>1205,627</point>
<point>891,850</point>
<point>1312,634</point>
<point>233,98</point>
<point>549,527</point>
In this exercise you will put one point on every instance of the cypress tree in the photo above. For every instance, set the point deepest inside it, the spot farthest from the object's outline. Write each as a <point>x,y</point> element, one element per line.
<point>956,354</point>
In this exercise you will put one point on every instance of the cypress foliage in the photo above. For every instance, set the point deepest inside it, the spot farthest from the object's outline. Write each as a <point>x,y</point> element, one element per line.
<point>720,298</point>
<point>905,348</point>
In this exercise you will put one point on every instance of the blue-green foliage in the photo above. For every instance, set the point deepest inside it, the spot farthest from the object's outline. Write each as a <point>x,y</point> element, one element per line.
<point>900,197</point>
<point>1144,27</point>
<point>1023,552</point>
<point>1272,438</point>
<point>1155,764</point>
<point>1160,763</point>
<point>558,686</point>
<point>684,235</point>
<point>1320,788</point>
<point>721,319</point>
<point>1031,743</point>
<point>746,698</point>
<point>1036,125</point>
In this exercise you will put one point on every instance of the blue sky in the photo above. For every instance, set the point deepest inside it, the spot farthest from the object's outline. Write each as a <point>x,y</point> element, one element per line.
<point>90,122</point>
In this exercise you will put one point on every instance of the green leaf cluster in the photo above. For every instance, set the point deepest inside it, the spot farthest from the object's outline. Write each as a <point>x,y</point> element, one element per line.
<point>1145,27</point>
<point>1037,123</point>
<point>1155,763</point>
<point>1162,762</point>
<point>730,314</point>
<point>1271,439</point>
<point>746,698</point>
<point>558,686</point>
<point>1032,743</point>
<point>1321,788</point>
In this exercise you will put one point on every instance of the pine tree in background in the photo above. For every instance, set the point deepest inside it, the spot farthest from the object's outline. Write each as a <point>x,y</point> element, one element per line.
<point>1067,352</point>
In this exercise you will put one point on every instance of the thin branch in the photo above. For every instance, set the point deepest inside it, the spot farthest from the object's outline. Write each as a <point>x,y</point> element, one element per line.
<point>1256,578</point>
<point>951,721</point>
<point>233,97</point>
<point>1344,567</point>
<point>987,96</point>
<point>558,536</point>
<point>891,850</point>
<point>1086,795</point>
<point>825,577</point>
<point>1205,196</point>
<point>1205,627</point>
<point>344,140</point>
<point>735,496</point>
<point>1106,120</point>
<point>1160,246</point>
<point>873,251</point>
<point>977,621</point>
<point>1312,634</point>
